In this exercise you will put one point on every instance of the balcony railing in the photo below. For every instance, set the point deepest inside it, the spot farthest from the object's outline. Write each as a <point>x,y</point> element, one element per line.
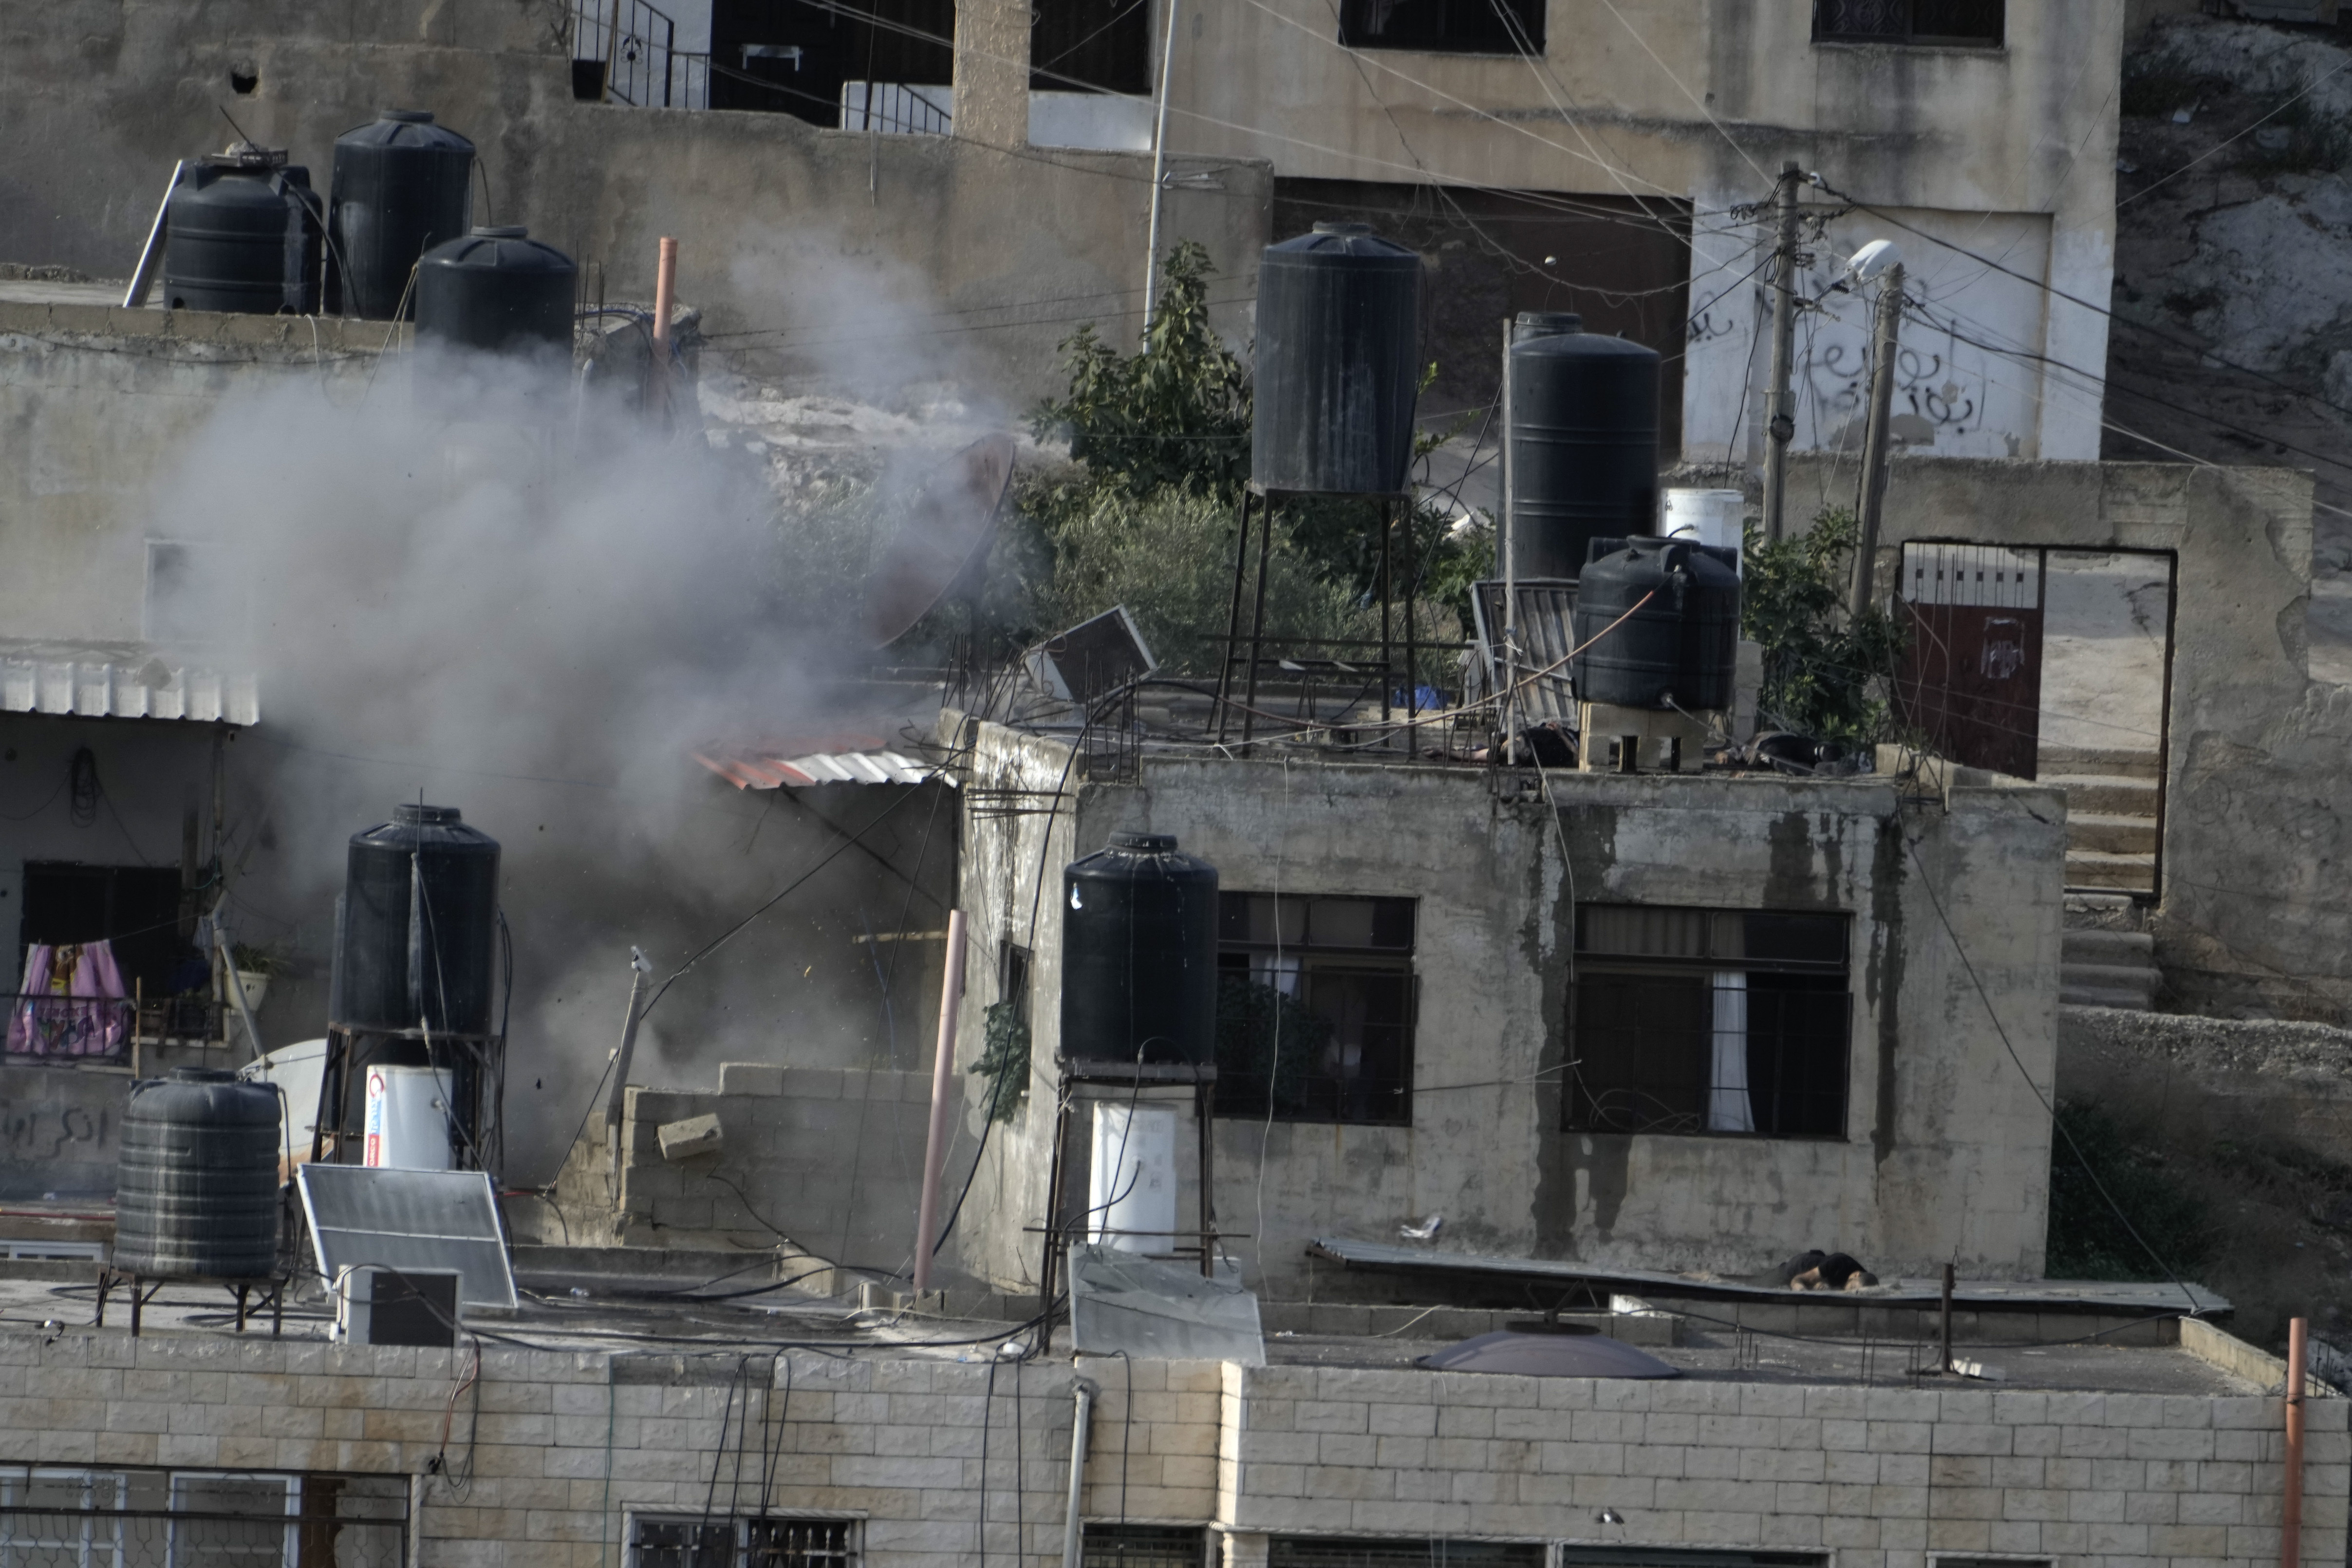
<point>104,1028</point>
<point>629,46</point>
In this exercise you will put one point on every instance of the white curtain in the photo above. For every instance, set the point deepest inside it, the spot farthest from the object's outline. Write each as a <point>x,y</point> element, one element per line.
<point>1728,1109</point>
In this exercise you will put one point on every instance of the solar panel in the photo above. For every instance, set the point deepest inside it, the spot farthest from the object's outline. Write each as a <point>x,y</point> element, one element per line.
<point>363,1214</point>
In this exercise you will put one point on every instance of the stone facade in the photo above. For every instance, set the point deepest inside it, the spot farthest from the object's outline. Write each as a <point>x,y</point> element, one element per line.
<point>567,1445</point>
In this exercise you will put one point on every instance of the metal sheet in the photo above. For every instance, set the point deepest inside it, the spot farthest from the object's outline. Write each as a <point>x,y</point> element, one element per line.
<point>796,762</point>
<point>410,1219</point>
<point>121,680</point>
<point>1546,625</point>
<point>1151,1311</point>
<point>2064,1295</point>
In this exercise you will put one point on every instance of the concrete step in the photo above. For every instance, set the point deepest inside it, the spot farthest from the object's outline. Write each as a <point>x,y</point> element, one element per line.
<point>2110,832</point>
<point>2094,996</point>
<point>2117,793</point>
<point>2100,869</point>
<point>2089,944</point>
<point>2133,763</point>
<point>2139,980</point>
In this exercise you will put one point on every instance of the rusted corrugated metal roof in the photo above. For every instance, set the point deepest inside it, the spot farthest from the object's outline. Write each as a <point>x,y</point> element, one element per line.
<point>799,760</point>
<point>121,680</point>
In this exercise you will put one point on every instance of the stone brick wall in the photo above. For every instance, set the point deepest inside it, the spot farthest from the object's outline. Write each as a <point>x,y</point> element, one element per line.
<point>1880,1477</point>
<point>567,1445</point>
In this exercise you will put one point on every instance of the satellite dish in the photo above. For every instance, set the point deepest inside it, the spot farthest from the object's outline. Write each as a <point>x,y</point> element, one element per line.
<point>944,545</point>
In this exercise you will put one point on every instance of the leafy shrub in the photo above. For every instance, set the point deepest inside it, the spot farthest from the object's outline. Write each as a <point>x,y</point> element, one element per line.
<point>1825,675</point>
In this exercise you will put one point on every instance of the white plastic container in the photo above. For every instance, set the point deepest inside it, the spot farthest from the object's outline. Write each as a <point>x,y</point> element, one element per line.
<point>1131,1185</point>
<point>407,1119</point>
<point>1707,517</point>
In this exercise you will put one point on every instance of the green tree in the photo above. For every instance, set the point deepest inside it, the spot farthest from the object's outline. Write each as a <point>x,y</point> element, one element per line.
<point>1825,673</point>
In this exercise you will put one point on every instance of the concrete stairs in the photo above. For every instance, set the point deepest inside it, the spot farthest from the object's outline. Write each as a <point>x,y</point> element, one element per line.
<point>2111,821</point>
<point>2098,968</point>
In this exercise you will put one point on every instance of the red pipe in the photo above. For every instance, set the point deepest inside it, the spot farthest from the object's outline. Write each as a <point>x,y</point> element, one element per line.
<point>665,301</point>
<point>2290,1505</point>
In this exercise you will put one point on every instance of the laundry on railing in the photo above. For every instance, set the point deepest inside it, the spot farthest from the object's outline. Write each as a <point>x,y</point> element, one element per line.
<point>72,1003</point>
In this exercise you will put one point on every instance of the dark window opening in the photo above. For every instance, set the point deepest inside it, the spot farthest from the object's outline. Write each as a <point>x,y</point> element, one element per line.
<point>1144,1546</point>
<point>1720,1022</point>
<point>1974,22</point>
<point>769,1541</point>
<point>1080,45</point>
<point>1444,27</point>
<point>1315,1008</point>
<point>1012,964</point>
<point>124,1516</point>
<point>795,56</point>
<point>1425,1552</point>
<point>136,909</point>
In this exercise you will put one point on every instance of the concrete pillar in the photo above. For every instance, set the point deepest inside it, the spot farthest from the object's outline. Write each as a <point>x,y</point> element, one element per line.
<point>992,71</point>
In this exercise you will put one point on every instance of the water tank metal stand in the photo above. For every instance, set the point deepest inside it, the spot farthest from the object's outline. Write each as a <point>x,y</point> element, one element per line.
<point>1389,509</point>
<point>1683,735</point>
<point>251,1295</point>
<point>1202,1079</point>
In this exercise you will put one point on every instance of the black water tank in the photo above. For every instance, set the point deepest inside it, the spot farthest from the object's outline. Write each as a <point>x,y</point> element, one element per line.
<point>403,185</point>
<point>498,291</point>
<point>196,1189</point>
<point>241,233</point>
<point>1140,953</point>
<point>1584,447</point>
<point>1683,644</point>
<point>1339,359</point>
<point>399,959</point>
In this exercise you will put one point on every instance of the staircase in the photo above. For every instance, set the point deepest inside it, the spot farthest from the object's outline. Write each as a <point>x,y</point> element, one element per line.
<point>2100,966</point>
<point>2111,821</point>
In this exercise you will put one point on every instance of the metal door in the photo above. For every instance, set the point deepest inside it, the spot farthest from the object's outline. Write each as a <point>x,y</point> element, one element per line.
<point>1971,678</point>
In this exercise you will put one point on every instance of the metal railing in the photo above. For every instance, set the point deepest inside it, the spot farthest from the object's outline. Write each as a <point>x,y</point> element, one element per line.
<point>895,109</point>
<point>634,42</point>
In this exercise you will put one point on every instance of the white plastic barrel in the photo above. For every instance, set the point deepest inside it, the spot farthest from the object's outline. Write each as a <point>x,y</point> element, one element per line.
<point>1132,1188</point>
<point>407,1119</point>
<point>1706,517</point>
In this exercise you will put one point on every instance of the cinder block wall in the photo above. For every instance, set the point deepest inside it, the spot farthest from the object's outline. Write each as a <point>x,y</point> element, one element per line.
<point>568,1443</point>
<point>831,1157</point>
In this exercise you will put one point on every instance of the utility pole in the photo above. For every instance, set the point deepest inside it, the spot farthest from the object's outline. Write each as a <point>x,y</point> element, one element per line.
<point>1884,341</point>
<point>1781,413</point>
<point>1158,170</point>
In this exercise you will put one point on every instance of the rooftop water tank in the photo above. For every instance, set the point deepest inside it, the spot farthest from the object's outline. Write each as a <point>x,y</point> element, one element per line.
<point>1140,953</point>
<point>1681,647</point>
<point>1339,359</point>
<point>1530,325</point>
<point>197,1192</point>
<point>1583,456</point>
<point>415,927</point>
<point>498,291</point>
<point>402,185</point>
<point>241,234</point>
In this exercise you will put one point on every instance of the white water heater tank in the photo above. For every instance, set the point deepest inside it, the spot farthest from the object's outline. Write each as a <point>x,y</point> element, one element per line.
<point>1706,517</point>
<point>1131,1184</point>
<point>407,1119</point>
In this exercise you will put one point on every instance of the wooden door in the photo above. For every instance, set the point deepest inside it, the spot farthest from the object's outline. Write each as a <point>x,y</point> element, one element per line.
<point>1971,678</point>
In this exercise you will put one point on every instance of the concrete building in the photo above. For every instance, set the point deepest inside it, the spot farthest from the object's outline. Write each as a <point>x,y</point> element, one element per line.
<point>1507,1053</point>
<point>796,1435</point>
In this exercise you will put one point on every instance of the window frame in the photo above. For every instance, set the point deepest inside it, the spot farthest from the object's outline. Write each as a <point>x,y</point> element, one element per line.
<point>1909,37</point>
<point>1582,1109</point>
<point>289,1547</point>
<point>740,1527</point>
<point>1532,15</point>
<point>1312,957</point>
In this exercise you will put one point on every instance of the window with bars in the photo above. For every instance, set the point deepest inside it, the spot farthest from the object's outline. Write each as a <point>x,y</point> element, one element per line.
<point>1444,27</point>
<point>133,1517</point>
<point>1144,1546</point>
<point>1315,1008</point>
<point>765,1540</point>
<point>1420,1552</point>
<point>1969,23</point>
<point>1727,1022</point>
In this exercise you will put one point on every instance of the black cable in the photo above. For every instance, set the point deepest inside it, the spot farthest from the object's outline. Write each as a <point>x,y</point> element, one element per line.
<point>81,776</point>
